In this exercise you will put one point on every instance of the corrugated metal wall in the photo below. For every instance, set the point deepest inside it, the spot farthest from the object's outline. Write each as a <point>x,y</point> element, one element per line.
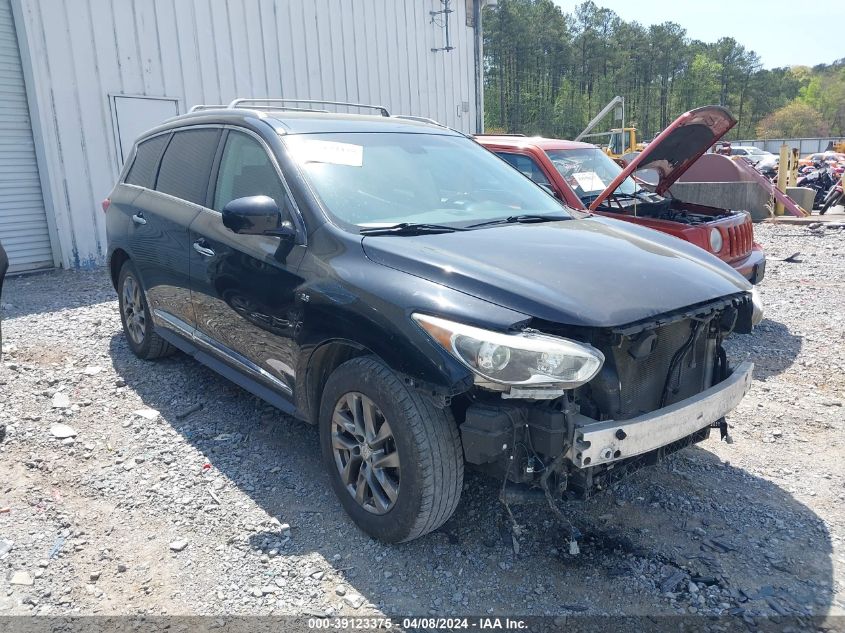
<point>211,51</point>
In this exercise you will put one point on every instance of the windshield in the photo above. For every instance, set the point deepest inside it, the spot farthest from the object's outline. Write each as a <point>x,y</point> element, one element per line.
<point>589,171</point>
<point>383,179</point>
<point>755,150</point>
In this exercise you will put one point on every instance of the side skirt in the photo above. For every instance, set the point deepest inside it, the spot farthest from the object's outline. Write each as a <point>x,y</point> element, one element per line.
<point>230,373</point>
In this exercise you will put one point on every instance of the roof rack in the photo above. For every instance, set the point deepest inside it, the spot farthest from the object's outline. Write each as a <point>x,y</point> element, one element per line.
<point>206,106</point>
<point>268,104</point>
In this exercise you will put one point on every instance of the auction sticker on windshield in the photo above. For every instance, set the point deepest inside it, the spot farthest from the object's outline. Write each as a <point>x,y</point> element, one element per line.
<point>331,152</point>
<point>589,181</point>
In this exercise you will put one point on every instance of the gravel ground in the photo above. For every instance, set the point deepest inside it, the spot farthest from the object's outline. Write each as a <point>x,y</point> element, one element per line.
<point>175,492</point>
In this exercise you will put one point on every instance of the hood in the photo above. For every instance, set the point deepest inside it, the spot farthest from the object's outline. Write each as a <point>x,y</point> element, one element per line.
<point>594,272</point>
<point>676,148</point>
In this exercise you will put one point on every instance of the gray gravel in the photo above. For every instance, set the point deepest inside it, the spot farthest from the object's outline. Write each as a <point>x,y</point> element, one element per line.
<point>136,487</point>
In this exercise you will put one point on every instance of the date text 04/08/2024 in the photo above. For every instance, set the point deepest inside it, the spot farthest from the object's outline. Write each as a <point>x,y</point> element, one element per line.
<point>460,623</point>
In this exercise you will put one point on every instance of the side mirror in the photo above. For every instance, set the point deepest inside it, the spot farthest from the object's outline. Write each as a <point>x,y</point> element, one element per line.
<point>256,215</point>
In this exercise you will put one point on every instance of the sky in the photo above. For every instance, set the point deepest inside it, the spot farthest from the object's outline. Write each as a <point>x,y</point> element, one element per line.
<point>781,32</point>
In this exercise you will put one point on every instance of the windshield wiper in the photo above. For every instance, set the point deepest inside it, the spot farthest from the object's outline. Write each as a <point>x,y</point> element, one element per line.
<point>525,218</point>
<point>409,228</point>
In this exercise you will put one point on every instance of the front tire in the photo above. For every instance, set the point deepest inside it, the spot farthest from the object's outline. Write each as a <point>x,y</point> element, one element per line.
<point>135,316</point>
<point>394,459</point>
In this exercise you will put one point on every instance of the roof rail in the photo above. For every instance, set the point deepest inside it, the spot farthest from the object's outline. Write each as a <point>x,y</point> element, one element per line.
<point>267,103</point>
<point>418,119</point>
<point>205,106</point>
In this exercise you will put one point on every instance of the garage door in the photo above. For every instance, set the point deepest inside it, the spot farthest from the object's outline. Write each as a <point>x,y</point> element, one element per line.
<point>23,222</point>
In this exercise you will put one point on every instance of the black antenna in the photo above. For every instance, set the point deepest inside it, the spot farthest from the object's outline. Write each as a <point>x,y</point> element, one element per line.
<point>445,12</point>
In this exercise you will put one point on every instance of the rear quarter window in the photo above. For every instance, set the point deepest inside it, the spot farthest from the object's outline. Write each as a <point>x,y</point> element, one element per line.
<point>143,169</point>
<point>186,164</point>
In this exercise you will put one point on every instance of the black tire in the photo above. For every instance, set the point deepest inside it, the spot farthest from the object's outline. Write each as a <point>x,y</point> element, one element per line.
<point>832,200</point>
<point>141,337</point>
<point>425,437</point>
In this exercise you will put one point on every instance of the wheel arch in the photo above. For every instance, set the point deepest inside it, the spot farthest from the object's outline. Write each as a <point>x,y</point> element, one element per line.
<point>116,261</point>
<point>323,360</point>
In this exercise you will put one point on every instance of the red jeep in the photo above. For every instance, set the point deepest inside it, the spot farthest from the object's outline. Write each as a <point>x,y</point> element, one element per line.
<point>584,177</point>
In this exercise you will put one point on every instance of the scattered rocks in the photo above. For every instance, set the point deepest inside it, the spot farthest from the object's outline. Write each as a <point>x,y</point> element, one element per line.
<point>179,545</point>
<point>21,578</point>
<point>62,431</point>
<point>60,400</point>
<point>354,600</point>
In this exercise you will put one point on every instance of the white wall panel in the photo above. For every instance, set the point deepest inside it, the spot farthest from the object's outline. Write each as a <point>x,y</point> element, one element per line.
<point>211,51</point>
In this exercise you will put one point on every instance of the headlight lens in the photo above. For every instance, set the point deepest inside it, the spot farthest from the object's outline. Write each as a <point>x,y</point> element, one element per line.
<point>757,303</point>
<point>524,358</point>
<point>716,241</point>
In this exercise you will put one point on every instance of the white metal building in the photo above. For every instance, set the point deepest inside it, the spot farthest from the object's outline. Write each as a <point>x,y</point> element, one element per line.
<point>80,79</point>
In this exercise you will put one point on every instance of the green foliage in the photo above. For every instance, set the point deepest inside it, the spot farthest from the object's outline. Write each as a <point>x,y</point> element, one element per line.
<point>548,72</point>
<point>793,121</point>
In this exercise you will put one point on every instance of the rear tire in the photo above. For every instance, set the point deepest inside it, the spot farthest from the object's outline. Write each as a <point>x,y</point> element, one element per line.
<point>394,459</point>
<point>136,318</point>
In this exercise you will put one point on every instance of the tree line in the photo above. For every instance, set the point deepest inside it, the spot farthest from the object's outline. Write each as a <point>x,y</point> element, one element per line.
<point>549,72</point>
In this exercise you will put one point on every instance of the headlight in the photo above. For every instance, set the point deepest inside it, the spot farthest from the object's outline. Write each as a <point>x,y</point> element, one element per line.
<point>757,303</point>
<point>716,241</point>
<point>524,358</point>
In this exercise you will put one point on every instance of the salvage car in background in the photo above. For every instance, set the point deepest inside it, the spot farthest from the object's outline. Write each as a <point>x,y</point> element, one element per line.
<point>584,177</point>
<point>421,302</point>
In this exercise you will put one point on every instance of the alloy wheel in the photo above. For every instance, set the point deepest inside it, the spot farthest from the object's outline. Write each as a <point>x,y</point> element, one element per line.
<point>133,310</point>
<point>365,453</point>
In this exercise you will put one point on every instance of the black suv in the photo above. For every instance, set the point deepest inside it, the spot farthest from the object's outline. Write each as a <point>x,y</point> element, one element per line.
<point>421,301</point>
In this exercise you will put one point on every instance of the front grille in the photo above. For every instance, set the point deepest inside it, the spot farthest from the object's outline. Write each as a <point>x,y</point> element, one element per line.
<point>633,379</point>
<point>739,240</point>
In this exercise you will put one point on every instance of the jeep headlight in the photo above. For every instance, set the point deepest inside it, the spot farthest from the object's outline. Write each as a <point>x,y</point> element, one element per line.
<point>716,241</point>
<point>522,358</point>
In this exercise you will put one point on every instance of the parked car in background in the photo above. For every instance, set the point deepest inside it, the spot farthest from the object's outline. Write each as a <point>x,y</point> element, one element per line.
<point>421,302</point>
<point>583,177</point>
<point>750,153</point>
<point>4,266</point>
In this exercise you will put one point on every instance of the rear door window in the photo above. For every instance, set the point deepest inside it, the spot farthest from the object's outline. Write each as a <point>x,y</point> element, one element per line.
<point>143,170</point>
<point>246,170</point>
<point>186,165</point>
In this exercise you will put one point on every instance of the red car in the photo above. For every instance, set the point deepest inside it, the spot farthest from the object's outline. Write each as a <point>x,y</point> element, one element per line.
<point>584,177</point>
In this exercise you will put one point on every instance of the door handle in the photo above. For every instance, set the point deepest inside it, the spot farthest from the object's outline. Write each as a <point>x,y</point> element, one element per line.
<point>138,219</point>
<point>203,250</point>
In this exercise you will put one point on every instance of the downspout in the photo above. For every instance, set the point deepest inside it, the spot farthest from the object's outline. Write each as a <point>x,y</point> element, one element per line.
<point>478,54</point>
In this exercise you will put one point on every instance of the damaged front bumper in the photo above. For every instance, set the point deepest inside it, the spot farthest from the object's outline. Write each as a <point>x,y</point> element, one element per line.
<point>598,443</point>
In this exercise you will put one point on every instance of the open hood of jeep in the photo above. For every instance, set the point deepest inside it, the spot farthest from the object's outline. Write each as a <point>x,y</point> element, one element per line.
<point>676,148</point>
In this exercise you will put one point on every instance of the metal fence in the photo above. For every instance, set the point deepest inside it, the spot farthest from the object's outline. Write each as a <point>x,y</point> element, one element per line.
<point>804,145</point>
